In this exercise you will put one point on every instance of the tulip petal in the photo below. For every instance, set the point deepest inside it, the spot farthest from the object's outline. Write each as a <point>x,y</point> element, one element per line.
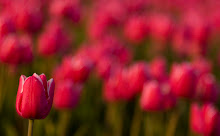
<point>19,94</point>
<point>34,103</point>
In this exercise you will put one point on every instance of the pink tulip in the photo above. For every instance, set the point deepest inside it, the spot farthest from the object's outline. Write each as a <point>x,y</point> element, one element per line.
<point>183,80</point>
<point>6,25</point>
<point>138,74</point>
<point>204,119</point>
<point>76,69</point>
<point>34,96</point>
<point>202,66</point>
<point>15,50</point>
<point>53,40</point>
<point>136,29</point>
<point>27,16</point>
<point>67,95</point>
<point>152,98</point>
<point>116,87</point>
<point>207,90</point>
<point>66,8</point>
<point>158,69</point>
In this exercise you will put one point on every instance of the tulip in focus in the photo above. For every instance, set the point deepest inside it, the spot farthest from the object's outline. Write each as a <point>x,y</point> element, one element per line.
<point>34,96</point>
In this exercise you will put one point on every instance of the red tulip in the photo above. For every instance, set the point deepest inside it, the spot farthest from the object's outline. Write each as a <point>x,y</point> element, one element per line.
<point>207,90</point>
<point>75,68</point>
<point>183,80</point>
<point>202,66</point>
<point>116,87</point>
<point>136,29</point>
<point>152,98</point>
<point>158,69</point>
<point>6,25</point>
<point>138,74</point>
<point>66,8</point>
<point>34,96</point>
<point>15,50</point>
<point>67,95</point>
<point>204,120</point>
<point>53,40</point>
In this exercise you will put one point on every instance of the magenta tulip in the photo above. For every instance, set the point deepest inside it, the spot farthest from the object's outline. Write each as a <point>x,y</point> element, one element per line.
<point>34,96</point>
<point>183,80</point>
<point>67,95</point>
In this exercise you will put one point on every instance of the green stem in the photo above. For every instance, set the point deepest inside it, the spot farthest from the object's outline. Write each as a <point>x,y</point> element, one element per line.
<point>172,124</point>
<point>136,121</point>
<point>30,127</point>
<point>64,123</point>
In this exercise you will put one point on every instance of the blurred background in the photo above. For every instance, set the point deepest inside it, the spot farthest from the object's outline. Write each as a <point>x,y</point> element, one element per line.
<point>121,67</point>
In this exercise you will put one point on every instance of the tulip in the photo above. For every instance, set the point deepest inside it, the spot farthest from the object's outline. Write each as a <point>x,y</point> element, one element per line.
<point>116,87</point>
<point>204,120</point>
<point>66,8</point>
<point>183,80</point>
<point>53,40</point>
<point>152,98</point>
<point>158,69</point>
<point>34,98</point>
<point>75,68</point>
<point>136,29</point>
<point>15,50</point>
<point>67,95</point>
<point>207,90</point>
<point>26,16</point>
<point>202,66</point>
<point>138,74</point>
<point>6,25</point>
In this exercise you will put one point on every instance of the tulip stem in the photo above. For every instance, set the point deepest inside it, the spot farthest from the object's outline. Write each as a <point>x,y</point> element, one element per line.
<point>30,127</point>
<point>172,124</point>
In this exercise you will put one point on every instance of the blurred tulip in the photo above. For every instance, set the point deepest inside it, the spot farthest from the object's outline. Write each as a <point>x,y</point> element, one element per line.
<point>136,29</point>
<point>152,98</point>
<point>158,69</point>
<point>202,66</point>
<point>27,16</point>
<point>66,8</point>
<point>6,25</point>
<point>207,89</point>
<point>53,40</point>
<point>183,80</point>
<point>116,87</point>
<point>138,74</point>
<point>34,96</point>
<point>76,69</point>
<point>67,95</point>
<point>15,50</point>
<point>203,120</point>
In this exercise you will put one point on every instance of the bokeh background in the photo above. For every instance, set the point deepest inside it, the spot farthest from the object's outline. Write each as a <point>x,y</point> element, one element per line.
<point>110,52</point>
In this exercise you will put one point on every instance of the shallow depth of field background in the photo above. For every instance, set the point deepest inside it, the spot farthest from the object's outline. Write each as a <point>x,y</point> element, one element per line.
<point>131,30</point>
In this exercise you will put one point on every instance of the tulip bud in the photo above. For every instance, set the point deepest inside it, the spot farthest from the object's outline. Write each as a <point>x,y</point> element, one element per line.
<point>138,74</point>
<point>16,50</point>
<point>202,66</point>
<point>53,40</point>
<point>207,90</point>
<point>136,29</point>
<point>6,25</point>
<point>76,69</point>
<point>66,8</point>
<point>158,69</point>
<point>204,119</point>
<point>34,96</point>
<point>183,80</point>
<point>116,87</point>
<point>196,119</point>
<point>152,98</point>
<point>67,95</point>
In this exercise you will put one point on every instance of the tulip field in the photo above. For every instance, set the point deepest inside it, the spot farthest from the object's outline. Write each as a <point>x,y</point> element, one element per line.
<point>109,68</point>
